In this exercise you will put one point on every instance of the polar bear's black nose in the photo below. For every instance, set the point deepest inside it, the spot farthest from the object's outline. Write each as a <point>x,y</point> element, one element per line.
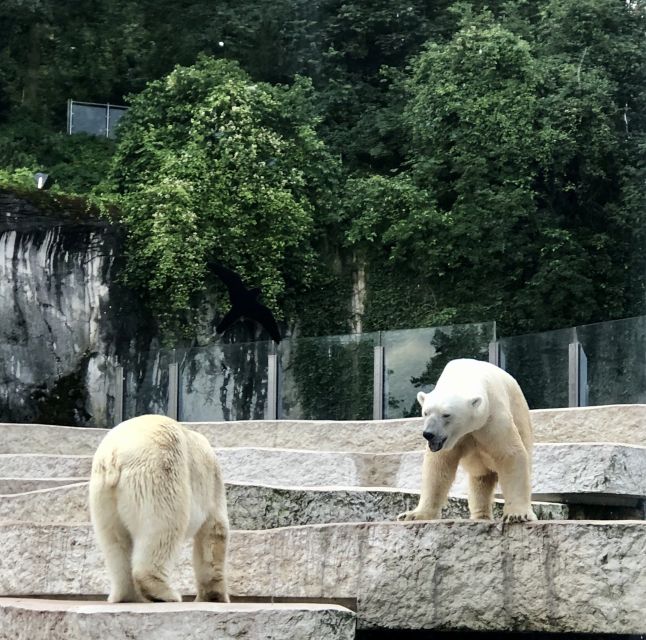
<point>435,442</point>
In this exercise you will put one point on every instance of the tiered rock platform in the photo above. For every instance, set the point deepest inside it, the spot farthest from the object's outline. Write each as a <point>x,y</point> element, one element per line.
<point>315,549</point>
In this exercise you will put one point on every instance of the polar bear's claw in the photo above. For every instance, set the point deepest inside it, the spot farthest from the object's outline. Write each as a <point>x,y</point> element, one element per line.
<point>408,516</point>
<point>527,516</point>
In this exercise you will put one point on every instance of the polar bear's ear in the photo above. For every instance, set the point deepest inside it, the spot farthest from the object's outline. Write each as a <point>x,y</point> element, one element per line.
<point>421,396</point>
<point>476,402</point>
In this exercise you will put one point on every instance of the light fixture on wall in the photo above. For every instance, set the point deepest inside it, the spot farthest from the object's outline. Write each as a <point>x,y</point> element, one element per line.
<point>41,179</point>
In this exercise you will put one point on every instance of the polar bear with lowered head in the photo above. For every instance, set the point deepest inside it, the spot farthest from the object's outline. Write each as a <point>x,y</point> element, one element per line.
<point>476,416</point>
<point>155,483</point>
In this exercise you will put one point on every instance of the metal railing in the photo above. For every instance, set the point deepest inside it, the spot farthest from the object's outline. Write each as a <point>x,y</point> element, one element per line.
<point>97,119</point>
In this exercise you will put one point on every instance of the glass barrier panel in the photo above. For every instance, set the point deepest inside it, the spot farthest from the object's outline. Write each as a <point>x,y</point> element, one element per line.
<point>89,119</point>
<point>146,384</point>
<point>327,378</point>
<point>616,361</point>
<point>114,116</point>
<point>539,362</point>
<point>414,359</point>
<point>223,382</point>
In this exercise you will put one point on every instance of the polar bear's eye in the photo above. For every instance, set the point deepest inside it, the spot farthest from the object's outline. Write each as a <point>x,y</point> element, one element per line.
<point>446,415</point>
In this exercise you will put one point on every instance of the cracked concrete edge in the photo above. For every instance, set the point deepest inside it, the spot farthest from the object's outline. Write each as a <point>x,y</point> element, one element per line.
<point>559,469</point>
<point>11,486</point>
<point>573,576</point>
<point>608,423</point>
<point>40,619</point>
<point>260,506</point>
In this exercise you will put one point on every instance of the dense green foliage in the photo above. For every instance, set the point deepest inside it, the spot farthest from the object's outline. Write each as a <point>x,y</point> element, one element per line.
<point>489,160</point>
<point>76,163</point>
<point>212,165</point>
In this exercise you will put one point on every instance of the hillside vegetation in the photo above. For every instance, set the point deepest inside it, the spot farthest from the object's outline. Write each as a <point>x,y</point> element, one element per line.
<point>469,161</point>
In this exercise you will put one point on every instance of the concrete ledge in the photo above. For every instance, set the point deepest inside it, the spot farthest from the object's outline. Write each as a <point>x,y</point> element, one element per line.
<point>69,620</point>
<point>585,473</point>
<point>577,577</point>
<point>39,465</point>
<point>610,423</point>
<point>259,506</point>
<point>49,439</point>
<point>23,485</point>
<point>614,474</point>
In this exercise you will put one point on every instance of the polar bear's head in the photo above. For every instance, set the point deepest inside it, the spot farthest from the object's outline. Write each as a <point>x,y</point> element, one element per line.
<point>448,418</point>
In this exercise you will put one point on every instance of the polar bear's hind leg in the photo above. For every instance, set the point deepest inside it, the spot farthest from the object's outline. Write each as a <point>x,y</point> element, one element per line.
<point>115,542</point>
<point>153,558</point>
<point>209,559</point>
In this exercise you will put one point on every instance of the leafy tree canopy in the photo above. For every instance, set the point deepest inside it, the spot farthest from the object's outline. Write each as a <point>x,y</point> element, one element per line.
<point>492,154</point>
<point>519,154</point>
<point>211,165</point>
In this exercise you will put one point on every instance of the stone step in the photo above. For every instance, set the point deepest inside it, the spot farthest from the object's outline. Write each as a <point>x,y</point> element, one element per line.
<point>260,506</point>
<point>575,576</point>
<point>23,485</point>
<point>610,423</point>
<point>583,472</point>
<point>40,619</point>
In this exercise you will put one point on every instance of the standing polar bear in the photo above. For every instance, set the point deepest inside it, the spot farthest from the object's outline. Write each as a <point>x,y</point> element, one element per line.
<point>477,415</point>
<point>155,483</point>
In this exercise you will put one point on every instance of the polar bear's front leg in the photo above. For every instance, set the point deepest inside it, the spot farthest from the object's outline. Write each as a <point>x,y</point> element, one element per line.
<point>514,472</point>
<point>438,473</point>
<point>481,488</point>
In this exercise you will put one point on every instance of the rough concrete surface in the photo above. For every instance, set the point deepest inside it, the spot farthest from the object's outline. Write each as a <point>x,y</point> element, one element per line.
<point>571,472</point>
<point>572,576</point>
<point>611,423</point>
<point>38,465</point>
<point>40,619</point>
<point>259,506</point>
<point>559,469</point>
<point>23,485</point>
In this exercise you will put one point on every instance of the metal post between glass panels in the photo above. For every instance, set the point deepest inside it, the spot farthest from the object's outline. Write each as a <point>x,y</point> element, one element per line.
<point>118,394</point>
<point>272,387</point>
<point>173,388</point>
<point>577,375</point>
<point>378,384</point>
<point>495,353</point>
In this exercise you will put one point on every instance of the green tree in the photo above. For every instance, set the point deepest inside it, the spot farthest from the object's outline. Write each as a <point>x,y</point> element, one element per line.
<point>523,154</point>
<point>213,165</point>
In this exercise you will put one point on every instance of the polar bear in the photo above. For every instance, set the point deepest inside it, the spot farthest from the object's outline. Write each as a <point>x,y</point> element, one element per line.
<point>155,483</point>
<point>476,415</point>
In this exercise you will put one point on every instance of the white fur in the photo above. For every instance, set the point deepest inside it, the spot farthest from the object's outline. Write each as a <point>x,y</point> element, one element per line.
<point>155,483</point>
<point>480,414</point>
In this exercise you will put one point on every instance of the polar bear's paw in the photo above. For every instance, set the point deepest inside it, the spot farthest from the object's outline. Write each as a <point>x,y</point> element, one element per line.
<point>408,516</point>
<point>519,516</point>
<point>211,596</point>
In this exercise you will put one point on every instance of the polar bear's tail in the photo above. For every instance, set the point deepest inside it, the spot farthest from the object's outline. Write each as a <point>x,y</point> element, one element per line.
<point>107,470</point>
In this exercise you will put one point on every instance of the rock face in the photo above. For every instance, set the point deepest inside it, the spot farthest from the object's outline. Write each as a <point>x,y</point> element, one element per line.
<point>335,543</point>
<point>62,318</point>
<point>257,506</point>
<point>607,424</point>
<point>614,473</point>
<point>65,620</point>
<point>546,576</point>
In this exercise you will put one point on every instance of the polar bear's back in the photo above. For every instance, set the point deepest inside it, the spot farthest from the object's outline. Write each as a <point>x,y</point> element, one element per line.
<point>476,376</point>
<point>144,444</point>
